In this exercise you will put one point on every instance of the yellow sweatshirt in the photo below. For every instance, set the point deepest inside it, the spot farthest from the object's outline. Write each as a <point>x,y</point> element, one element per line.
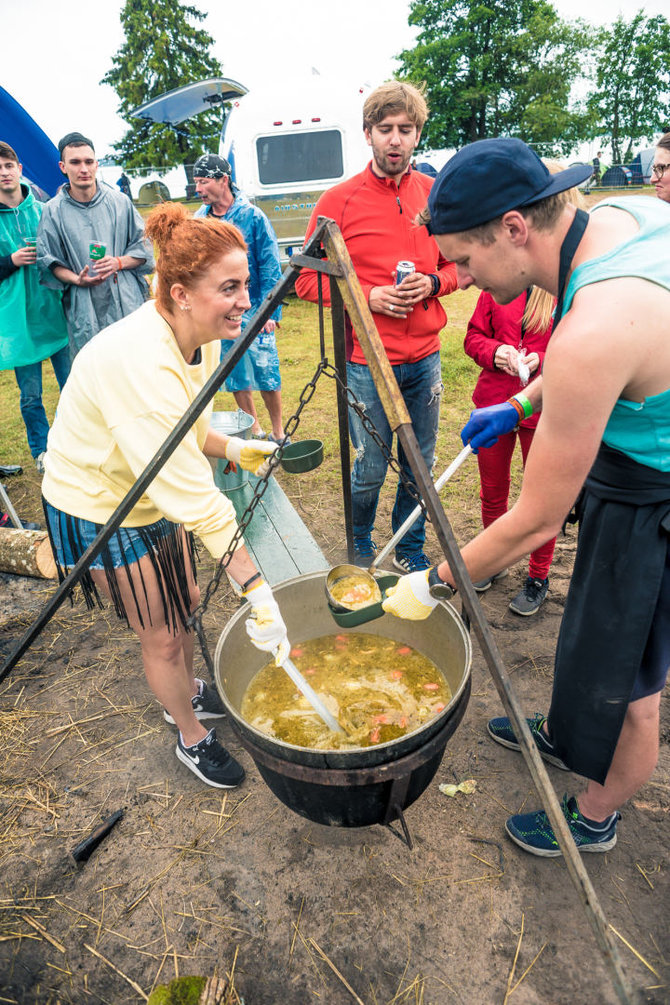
<point>128,388</point>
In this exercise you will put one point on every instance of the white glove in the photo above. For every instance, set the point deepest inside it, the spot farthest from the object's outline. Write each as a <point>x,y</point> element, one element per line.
<point>410,597</point>
<point>252,455</point>
<point>266,627</point>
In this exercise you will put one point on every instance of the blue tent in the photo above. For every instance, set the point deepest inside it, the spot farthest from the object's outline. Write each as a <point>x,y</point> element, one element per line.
<point>37,153</point>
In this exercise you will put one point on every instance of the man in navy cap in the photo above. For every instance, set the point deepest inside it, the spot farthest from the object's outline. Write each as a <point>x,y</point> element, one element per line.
<point>258,370</point>
<point>604,397</point>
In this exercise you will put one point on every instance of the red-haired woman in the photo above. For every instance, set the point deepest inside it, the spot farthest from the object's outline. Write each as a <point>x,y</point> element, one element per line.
<point>128,388</point>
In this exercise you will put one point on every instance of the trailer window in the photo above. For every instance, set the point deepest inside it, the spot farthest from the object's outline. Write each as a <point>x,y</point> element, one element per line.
<point>297,157</point>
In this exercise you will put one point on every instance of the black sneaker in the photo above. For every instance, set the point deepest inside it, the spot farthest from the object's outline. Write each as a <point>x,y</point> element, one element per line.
<point>484,584</point>
<point>211,762</point>
<point>531,598</point>
<point>365,550</point>
<point>501,731</point>
<point>206,704</point>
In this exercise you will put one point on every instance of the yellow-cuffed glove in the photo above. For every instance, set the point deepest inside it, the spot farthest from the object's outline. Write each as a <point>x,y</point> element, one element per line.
<point>266,627</point>
<point>410,597</point>
<point>252,455</point>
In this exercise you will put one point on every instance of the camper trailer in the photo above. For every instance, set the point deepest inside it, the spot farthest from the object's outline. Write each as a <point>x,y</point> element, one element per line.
<point>285,150</point>
<point>285,146</point>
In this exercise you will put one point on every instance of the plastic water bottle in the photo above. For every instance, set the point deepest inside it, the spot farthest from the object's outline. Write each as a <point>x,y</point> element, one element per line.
<point>266,343</point>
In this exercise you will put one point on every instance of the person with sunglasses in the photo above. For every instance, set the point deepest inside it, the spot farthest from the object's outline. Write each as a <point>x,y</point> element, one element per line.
<point>660,169</point>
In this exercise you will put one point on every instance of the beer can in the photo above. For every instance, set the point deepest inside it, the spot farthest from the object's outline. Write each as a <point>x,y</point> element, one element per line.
<point>402,270</point>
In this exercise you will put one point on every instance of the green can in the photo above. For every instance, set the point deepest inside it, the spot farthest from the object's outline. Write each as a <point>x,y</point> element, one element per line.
<point>96,251</point>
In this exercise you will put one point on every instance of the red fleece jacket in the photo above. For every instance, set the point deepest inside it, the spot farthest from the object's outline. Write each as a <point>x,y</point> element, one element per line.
<point>376,218</point>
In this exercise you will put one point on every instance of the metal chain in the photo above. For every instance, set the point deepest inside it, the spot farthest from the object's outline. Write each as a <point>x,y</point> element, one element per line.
<point>289,428</point>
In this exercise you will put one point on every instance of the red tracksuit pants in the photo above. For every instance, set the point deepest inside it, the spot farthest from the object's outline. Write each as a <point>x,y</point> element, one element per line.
<point>494,476</point>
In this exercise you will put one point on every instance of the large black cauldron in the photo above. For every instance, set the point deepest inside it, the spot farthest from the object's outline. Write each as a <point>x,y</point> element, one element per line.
<point>354,788</point>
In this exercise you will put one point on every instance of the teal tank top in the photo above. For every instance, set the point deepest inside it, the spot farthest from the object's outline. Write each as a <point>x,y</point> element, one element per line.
<point>640,429</point>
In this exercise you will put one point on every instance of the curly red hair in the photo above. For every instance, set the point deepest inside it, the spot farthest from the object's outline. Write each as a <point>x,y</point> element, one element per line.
<point>187,247</point>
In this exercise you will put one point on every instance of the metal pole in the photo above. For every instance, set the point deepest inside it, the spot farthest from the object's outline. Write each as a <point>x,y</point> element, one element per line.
<point>339,355</point>
<point>13,515</point>
<point>389,393</point>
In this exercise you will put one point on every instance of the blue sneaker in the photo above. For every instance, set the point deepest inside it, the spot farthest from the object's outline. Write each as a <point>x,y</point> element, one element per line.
<point>533,832</point>
<point>501,731</point>
<point>412,563</point>
<point>365,550</point>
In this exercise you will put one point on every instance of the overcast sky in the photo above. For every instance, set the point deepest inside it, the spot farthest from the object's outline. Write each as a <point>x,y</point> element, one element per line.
<point>55,52</point>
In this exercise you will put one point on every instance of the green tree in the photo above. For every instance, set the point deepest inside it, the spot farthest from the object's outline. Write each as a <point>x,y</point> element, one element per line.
<point>164,49</point>
<point>501,67</point>
<point>632,97</point>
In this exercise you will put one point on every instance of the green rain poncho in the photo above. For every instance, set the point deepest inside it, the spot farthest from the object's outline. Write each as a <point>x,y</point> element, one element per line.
<point>32,323</point>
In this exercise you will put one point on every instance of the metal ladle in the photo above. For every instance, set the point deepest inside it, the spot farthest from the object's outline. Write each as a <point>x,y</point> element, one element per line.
<point>339,572</point>
<point>312,697</point>
<point>414,515</point>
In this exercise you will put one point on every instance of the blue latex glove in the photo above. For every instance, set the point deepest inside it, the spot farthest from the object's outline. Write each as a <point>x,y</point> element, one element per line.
<point>485,425</point>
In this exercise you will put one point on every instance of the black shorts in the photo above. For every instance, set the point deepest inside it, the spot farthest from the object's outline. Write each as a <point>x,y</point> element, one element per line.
<point>653,672</point>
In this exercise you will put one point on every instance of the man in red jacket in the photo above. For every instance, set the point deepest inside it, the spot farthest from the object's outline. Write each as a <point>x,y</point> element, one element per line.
<point>375,210</point>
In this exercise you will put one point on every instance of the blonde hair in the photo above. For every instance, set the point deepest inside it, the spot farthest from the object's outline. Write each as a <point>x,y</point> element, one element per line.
<point>393,98</point>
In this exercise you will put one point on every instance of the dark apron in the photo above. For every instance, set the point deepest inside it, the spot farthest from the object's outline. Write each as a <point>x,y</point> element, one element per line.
<point>624,537</point>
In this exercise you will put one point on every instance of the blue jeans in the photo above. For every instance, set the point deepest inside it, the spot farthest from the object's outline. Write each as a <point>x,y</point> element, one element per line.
<point>29,379</point>
<point>421,387</point>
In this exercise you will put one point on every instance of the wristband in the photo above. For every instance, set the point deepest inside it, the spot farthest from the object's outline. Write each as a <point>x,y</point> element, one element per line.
<point>250,580</point>
<point>521,401</point>
<point>435,280</point>
<point>120,265</point>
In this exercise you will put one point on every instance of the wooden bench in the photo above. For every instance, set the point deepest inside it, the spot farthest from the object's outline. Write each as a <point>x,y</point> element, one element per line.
<point>277,539</point>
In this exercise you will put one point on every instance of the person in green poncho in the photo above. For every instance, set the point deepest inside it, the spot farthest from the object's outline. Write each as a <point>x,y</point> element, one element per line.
<point>32,322</point>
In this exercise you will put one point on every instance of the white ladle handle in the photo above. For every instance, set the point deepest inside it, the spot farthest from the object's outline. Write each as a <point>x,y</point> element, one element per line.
<point>311,695</point>
<point>442,480</point>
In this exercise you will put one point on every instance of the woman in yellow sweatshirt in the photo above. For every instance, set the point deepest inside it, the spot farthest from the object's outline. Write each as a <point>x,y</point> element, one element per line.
<point>128,388</point>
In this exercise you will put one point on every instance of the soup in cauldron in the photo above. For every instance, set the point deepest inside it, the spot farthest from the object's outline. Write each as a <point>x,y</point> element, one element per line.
<point>377,688</point>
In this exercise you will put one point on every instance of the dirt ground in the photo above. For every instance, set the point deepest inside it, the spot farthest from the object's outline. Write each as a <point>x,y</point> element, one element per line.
<point>193,880</point>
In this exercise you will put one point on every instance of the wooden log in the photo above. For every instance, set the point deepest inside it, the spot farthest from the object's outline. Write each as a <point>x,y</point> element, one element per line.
<point>26,553</point>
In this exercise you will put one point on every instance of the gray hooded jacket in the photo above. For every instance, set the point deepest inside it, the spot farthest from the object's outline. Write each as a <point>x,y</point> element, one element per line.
<point>66,229</point>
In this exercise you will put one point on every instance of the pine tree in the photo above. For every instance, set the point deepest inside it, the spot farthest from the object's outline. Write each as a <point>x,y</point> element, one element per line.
<point>164,49</point>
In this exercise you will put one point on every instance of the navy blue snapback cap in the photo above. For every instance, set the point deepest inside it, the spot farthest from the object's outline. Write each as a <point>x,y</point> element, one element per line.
<point>488,178</point>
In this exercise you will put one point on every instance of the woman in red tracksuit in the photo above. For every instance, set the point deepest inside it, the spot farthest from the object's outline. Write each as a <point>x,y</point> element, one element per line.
<point>499,338</point>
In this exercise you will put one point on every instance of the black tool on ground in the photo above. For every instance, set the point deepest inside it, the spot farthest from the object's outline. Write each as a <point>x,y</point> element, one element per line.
<point>83,851</point>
